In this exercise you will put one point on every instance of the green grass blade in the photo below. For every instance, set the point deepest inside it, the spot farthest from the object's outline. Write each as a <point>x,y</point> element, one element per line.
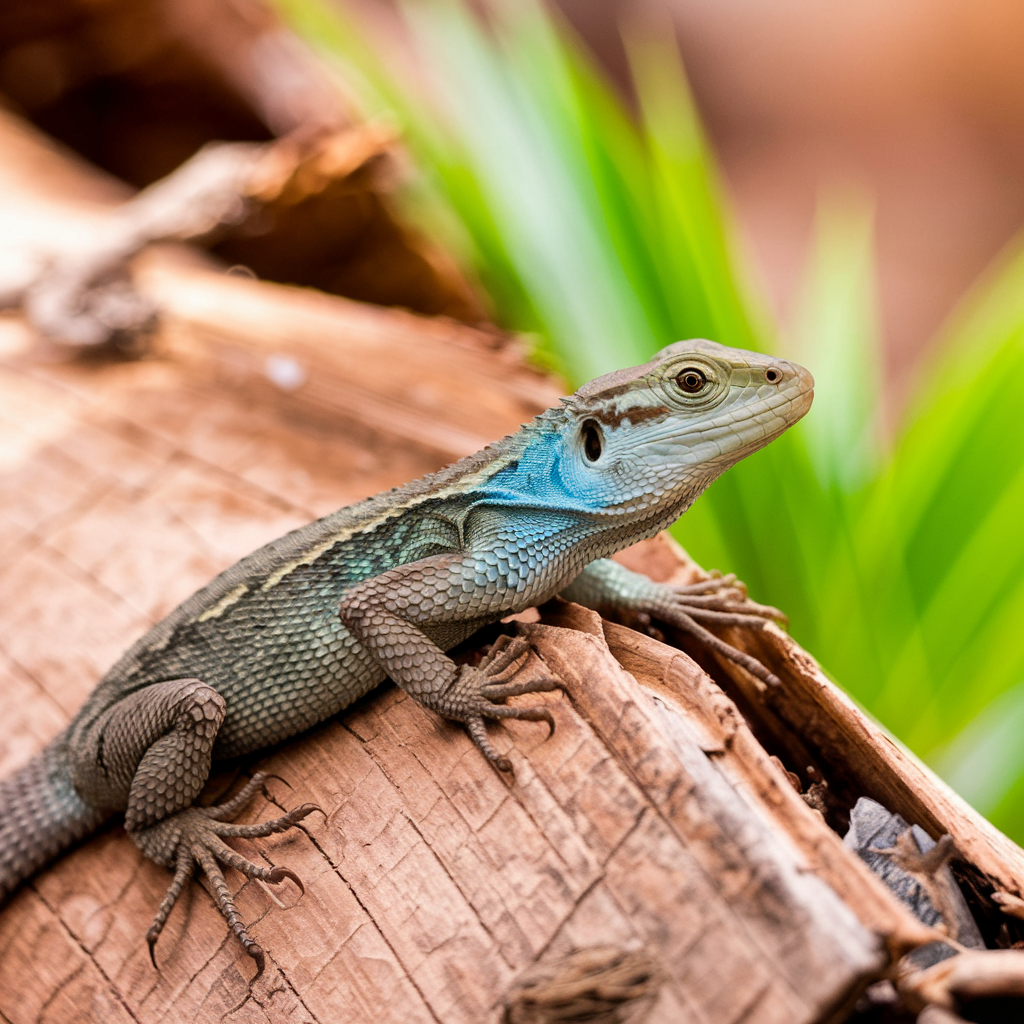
<point>901,569</point>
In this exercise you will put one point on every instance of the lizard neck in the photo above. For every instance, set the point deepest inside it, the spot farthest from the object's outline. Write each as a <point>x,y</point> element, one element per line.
<point>542,468</point>
<point>615,533</point>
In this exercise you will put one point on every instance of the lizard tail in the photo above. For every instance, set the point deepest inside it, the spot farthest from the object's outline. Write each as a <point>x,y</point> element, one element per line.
<point>41,815</point>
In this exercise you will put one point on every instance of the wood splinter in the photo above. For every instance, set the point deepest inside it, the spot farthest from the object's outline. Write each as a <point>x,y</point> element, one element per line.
<point>1012,906</point>
<point>87,298</point>
<point>599,984</point>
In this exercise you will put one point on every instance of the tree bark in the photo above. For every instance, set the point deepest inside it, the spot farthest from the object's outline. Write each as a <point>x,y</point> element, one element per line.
<point>655,859</point>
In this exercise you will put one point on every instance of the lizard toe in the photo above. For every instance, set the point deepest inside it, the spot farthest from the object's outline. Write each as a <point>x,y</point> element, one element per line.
<point>726,595</point>
<point>225,901</point>
<point>502,671</point>
<point>477,730</point>
<point>478,734</point>
<point>193,838</point>
<point>261,829</point>
<point>229,808</point>
<point>686,622</point>
<point>498,691</point>
<point>183,872</point>
<point>506,650</point>
<point>475,695</point>
<point>530,713</point>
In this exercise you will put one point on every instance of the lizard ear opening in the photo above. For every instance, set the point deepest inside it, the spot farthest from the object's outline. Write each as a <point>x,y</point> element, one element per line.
<point>593,440</point>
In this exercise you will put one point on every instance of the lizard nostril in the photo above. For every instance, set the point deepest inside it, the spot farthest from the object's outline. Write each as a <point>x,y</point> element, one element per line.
<point>773,375</point>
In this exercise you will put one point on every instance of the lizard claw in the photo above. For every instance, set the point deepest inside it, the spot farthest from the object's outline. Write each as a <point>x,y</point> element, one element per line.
<point>279,874</point>
<point>723,599</point>
<point>478,693</point>
<point>685,622</point>
<point>194,838</point>
<point>718,601</point>
<point>478,734</point>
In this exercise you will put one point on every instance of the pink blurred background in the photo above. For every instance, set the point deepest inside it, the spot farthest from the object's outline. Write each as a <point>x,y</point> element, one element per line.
<point>921,102</point>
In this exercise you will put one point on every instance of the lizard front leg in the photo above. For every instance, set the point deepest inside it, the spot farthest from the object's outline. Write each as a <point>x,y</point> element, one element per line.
<point>389,614</point>
<point>608,587</point>
<point>150,754</point>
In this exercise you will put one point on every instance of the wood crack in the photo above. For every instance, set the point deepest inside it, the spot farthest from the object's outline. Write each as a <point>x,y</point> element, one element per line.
<point>370,918</point>
<point>114,990</point>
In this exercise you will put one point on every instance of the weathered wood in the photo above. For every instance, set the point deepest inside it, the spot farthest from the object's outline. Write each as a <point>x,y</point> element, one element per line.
<point>810,721</point>
<point>651,820</point>
<point>654,822</point>
<point>431,382</point>
<point>58,212</point>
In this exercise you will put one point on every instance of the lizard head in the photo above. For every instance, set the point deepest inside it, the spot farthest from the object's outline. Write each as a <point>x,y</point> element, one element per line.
<point>663,431</point>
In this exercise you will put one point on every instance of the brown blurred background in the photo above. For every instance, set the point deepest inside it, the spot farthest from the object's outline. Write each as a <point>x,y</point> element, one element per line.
<point>920,101</point>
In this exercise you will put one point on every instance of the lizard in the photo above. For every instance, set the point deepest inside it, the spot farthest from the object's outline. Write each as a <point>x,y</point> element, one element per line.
<point>301,628</point>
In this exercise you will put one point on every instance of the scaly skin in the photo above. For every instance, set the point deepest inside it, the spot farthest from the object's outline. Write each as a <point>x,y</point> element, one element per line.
<point>301,628</point>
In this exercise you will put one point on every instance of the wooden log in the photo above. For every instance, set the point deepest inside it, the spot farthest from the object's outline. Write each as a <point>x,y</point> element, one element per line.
<point>432,881</point>
<point>432,382</point>
<point>814,727</point>
<point>653,822</point>
<point>652,858</point>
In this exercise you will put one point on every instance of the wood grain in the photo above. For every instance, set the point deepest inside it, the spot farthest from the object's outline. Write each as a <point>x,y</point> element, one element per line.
<point>431,881</point>
<point>654,820</point>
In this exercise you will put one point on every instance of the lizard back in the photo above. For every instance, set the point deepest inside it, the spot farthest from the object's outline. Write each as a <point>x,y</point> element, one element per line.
<point>267,628</point>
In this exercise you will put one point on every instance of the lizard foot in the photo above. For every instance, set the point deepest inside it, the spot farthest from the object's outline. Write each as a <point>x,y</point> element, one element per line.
<point>477,693</point>
<point>194,838</point>
<point>722,601</point>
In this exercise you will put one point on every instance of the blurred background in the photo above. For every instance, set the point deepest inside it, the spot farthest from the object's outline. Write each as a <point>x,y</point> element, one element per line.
<point>844,185</point>
<point>919,104</point>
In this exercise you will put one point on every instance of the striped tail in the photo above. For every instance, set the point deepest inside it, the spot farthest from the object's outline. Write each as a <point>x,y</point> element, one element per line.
<point>41,815</point>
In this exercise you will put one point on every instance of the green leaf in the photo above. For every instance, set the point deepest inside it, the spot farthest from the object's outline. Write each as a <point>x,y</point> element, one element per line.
<point>985,762</point>
<point>901,566</point>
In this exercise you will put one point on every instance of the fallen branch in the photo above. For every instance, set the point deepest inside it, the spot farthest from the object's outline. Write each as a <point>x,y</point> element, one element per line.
<point>86,297</point>
<point>972,975</point>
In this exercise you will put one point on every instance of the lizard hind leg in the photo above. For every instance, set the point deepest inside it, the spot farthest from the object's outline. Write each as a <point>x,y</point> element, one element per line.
<point>193,838</point>
<point>152,750</point>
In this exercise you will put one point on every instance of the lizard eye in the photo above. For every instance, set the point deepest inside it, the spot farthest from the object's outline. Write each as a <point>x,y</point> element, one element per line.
<point>593,440</point>
<point>773,375</point>
<point>691,380</point>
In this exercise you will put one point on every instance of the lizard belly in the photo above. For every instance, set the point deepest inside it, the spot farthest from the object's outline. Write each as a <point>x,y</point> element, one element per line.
<point>272,695</point>
<point>277,687</point>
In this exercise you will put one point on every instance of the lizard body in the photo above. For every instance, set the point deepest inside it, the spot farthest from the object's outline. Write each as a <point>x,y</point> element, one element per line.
<point>301,628</point>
